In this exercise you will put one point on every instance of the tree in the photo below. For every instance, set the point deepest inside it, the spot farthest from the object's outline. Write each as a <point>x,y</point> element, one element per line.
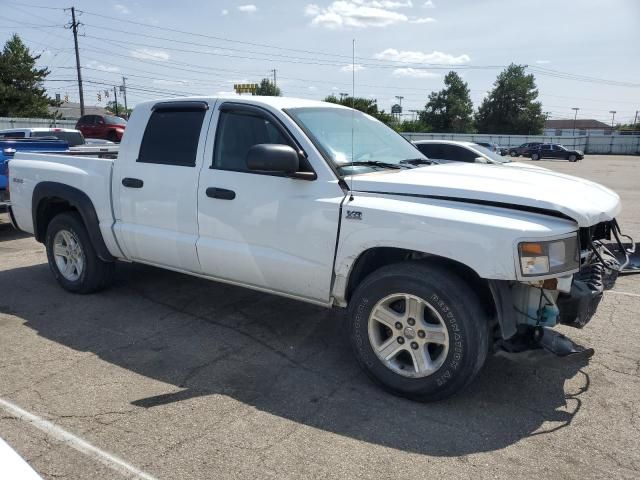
<point>21,91</point>
<point>122,112</point>
<point>449,110</point>
<point>511,106</point>
<point>366,105</point>
<point>267,88</point>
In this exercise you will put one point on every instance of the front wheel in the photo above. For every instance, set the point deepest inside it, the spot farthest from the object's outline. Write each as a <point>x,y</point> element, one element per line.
<point>573,158</point>
<point>513,153</point>
<point>418,330</point>
<point>535,156</point>
<point>72,258</point>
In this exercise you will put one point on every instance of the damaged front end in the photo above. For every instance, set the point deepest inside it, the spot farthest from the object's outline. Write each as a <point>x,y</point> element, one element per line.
<point>527,310</point>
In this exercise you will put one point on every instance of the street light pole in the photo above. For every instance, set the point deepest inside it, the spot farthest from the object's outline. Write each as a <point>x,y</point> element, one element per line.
<point>574,119</point>
<point>613,115</point>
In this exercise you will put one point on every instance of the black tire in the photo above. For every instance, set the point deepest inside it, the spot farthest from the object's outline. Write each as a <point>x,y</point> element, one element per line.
<point>96,274</point>
<point>460,309</point>
<point>112,136</point>
<point>572,158</point>
<point>513,153</point>
<point>535,156</point>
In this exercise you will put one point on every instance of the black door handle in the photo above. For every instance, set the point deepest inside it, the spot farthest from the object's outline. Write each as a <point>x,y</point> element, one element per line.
<point>132,182</point>
<point>221,193</point>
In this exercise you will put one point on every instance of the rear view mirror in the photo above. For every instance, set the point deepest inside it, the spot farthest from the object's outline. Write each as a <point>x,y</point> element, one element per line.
<point>268,157</point>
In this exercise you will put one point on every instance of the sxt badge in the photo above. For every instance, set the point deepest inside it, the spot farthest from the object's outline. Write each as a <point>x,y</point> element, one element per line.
<point>354,215</point>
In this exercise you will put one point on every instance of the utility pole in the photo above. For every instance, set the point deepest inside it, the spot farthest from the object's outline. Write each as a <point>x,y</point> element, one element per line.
<point>574,119</point>
<point>635,119</point>
<point>123,89</point>
<point>275,84</point>
<point>115,98</point>
<point>613,115</point>
<point>74,28</point>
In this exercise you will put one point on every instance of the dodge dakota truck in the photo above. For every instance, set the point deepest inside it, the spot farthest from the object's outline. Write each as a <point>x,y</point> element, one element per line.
<point>436,265</point>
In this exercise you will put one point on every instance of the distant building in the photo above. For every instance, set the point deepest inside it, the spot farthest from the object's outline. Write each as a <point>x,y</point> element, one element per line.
<point>71,110</point>
<point>565,128</point>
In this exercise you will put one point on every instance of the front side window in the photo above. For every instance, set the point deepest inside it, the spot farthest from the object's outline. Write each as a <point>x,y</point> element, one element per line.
<point>237,132</point>
<point>546,147</point>
<point>171,137</point>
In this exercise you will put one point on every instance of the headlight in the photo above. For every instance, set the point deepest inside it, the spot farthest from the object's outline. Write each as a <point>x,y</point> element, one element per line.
<point>544,258</point>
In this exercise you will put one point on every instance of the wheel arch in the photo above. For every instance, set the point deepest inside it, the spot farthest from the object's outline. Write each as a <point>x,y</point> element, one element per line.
<point>51,198</point>
<point>376,257</point>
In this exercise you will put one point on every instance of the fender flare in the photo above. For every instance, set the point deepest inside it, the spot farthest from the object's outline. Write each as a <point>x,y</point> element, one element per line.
<point>81,202</point>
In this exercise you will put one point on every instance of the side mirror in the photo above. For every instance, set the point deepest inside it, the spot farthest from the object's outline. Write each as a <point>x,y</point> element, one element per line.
<point>269,157</point>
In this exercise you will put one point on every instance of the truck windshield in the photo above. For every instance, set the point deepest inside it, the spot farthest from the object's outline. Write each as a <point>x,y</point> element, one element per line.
<point>330,130</point>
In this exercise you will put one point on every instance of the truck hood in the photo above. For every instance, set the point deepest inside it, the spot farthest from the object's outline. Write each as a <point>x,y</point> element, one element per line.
<point>529,189</point>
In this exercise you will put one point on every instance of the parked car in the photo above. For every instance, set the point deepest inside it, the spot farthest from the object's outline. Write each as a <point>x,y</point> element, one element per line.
<point>8,148</point>
<point>522,149</point>
<point>437,264</point>
<point>72,137</point>
<point>549,150</point>
<point>444,151</point>
<point>492,147</point>
<point>108,127</point>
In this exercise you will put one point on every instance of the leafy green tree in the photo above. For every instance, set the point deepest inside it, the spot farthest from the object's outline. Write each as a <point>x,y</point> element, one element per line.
<point>449,110</point>
<point>511,106</point>
<point>413,126</point>
<point>366,105</point>
<point>267,88</point>
<point>122,112</point>
<point>21,91</point>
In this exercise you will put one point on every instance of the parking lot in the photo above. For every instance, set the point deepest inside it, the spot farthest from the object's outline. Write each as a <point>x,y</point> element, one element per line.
<point>173,377</point>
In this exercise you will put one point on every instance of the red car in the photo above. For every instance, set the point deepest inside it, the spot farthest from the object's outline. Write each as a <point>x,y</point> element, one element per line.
<point>108,127</point>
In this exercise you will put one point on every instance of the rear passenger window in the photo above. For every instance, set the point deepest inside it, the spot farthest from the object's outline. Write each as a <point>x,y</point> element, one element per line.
<point>237,133</point>
<point>171,137</point>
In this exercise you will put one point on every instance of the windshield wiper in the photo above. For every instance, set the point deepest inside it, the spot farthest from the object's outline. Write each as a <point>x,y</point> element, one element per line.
<point>418,161</point>
<point>374,163</point>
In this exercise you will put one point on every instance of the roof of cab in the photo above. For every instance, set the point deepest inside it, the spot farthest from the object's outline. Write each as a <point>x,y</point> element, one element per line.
<point>274,102</point>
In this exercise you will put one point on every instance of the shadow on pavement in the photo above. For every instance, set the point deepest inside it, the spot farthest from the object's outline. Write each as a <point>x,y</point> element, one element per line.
<point>7,232</point>
<point>286,358</point>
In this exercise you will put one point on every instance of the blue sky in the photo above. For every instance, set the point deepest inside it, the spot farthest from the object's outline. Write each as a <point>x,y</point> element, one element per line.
<point>403,47</point>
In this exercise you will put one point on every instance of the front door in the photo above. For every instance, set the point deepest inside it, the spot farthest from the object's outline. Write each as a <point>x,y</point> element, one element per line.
<point>264,230</point>
<point>156,183</point>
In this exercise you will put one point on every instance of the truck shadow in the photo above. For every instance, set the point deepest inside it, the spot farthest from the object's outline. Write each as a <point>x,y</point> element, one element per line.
<point>7,232</point>
<point>286,358</point>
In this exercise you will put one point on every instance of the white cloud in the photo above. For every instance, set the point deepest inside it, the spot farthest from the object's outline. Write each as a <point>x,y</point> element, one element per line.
<point>543,62</point>
<point>408,56</point>
<point>312,88</point>
<point>149,54</point>
<point>104,68</point>
<point>170,83</point>
<point>248,8</point>
<point>357,14</point>
<point>429,4</point>
<point>223,93</point>
<point>413,73</point>
<point>422,20</point>
<point>355,67</point>
<point>122,9</point>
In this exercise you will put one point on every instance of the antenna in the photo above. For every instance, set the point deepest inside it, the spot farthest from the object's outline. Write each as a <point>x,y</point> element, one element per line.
<point>353,105</point>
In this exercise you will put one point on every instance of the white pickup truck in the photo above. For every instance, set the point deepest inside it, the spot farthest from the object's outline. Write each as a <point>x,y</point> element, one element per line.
<point>437,265</point>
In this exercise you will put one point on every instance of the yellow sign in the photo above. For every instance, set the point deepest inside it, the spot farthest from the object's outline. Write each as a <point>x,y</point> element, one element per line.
<point>245,87</point>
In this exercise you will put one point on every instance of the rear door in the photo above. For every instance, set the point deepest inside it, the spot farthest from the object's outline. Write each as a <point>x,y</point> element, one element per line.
<point>545,151</point>
<point>260,229</point>
<point>156,180</point>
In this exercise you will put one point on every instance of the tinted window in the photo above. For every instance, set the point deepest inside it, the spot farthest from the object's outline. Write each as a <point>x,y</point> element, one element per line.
<point>428,149</point>
<point>546,147</point>
<point>237,133</point>
<point>87,120</point>
<point>459,154</point>
<point>12,135</point>
<point>171,138</point>
<point>113,120</point>
<point>72,138</point>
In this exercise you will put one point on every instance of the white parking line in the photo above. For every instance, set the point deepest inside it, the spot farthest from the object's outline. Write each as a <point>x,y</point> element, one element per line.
<point>78,443</point>
<point>628,294</point>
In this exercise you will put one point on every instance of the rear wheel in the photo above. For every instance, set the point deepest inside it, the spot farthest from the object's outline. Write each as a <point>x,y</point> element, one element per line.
<point>72,258</point>
<point>418,330</point>
<point>535,156</point>
<point>513,153</point>
<point>112,136</point>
